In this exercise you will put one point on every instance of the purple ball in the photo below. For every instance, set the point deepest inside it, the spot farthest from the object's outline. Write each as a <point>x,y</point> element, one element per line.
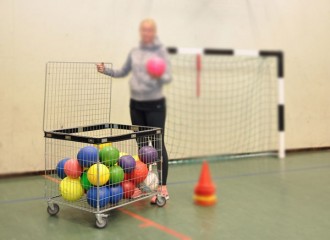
<point>148,154</point>
<point>127,163</point>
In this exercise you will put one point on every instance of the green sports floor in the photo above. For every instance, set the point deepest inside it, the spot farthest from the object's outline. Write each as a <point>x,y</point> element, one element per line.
<point>262,198</point>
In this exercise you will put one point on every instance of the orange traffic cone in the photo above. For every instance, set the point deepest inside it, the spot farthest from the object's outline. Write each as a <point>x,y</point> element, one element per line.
<point>205,188</point>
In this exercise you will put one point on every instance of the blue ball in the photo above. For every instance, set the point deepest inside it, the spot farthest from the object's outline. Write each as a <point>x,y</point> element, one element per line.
<point>116,194</point>
<point>104,196</point>
<point>60,168</point>
<point>87,156</point>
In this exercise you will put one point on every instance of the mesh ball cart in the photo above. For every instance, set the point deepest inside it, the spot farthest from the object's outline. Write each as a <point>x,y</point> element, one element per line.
<point>90,163</point>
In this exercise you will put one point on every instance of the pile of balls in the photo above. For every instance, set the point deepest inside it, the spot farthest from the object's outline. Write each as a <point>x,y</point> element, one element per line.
<point>105,174</point>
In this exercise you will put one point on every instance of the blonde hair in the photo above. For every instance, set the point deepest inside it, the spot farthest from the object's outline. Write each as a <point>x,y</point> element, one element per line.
<point>149,21</point>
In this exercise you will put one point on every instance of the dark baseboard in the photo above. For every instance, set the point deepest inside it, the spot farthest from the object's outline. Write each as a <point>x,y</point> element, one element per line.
<point>42,172</point>
<point>296,150</point>
<point>22,174</point>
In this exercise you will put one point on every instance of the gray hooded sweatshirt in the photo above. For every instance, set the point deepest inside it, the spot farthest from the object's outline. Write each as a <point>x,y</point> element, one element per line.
<point>143,87</point>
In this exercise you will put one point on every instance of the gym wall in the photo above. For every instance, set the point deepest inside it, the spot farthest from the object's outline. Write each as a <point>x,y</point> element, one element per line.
<point>34,32</point>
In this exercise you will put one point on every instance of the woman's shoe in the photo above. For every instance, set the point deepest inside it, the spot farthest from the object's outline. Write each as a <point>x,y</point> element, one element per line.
<point>163,192</point>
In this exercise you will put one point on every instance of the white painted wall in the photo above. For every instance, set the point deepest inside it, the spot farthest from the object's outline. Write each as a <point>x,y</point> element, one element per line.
<point>34,32</point>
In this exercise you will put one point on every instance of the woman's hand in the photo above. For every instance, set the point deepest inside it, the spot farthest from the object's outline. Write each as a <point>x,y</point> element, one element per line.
<point>100,67</point>
<point>154,77</point>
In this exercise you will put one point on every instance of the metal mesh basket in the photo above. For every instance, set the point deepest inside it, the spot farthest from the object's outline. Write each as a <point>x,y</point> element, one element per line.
<point>90,163</point>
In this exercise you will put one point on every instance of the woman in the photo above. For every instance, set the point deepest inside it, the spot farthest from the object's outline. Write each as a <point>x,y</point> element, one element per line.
<point>147,105</point>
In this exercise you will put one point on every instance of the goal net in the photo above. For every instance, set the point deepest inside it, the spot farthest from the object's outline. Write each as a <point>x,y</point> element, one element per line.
<point>222,105</point>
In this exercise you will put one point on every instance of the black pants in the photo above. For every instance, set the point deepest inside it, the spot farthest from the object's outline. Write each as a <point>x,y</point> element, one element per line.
<point>152,114</point>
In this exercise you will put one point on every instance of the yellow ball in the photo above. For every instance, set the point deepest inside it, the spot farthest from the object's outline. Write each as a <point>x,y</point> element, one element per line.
<point>136,157</point>
<point>71,189</point>
<point>98,178</point>
<point>122,154</point>
<point>101,146</point>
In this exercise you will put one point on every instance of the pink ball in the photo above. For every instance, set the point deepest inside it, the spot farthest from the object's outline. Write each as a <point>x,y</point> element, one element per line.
<point>156,66</point>
<point>72,168</point>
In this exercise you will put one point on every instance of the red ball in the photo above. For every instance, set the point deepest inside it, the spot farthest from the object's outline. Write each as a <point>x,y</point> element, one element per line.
<point>140,172</point>
<point>128,189</point>
<point>128,176</point>
<point>156,67</point>
<point>72,168</point>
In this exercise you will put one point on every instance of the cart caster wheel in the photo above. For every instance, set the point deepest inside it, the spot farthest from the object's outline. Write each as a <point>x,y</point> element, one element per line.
<point>101,223</point>
<point>53,211</point>
<point>161,201</point>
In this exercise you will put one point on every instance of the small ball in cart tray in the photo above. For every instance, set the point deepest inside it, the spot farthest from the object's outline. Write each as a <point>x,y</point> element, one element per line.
<point>148,154</point>
<point>71,189</point>
<point>139,173</point>
<point>98,174</point>
<point>72,168</point>
<point>151,182</point>
<point>87,156</point>
<point>116,194</point>
<point>127,162</point>
<point>60,168</point>
<point>104,196</point>
<point>128,189</point>
<point>109,155</point>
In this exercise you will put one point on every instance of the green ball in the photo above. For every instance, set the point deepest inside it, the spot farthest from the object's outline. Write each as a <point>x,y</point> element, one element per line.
<point>116,175</point>
<point>84,181</point>
<point>109,155</point>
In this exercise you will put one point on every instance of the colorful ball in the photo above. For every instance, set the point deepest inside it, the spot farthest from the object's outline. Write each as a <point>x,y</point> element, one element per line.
<point>151,181</point>
<point>127,162</point>
<point>128,189</point>
<point>148,154</point>
<point>72,168</point>
<point>104,196</point>
<point>136,157</point>
<point>85,182</point>
<point>116,175</point>
<point>60,168</point>
<point>128,176</point>
<point>109,155</point>
<point>122,154</point>
<point>102,145</point>
<point>156,67</point>
<point>140,172</point>
<point>116,194</point>
<point>98,178</point>
<point>71,189</point>
<point>87,156</point>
